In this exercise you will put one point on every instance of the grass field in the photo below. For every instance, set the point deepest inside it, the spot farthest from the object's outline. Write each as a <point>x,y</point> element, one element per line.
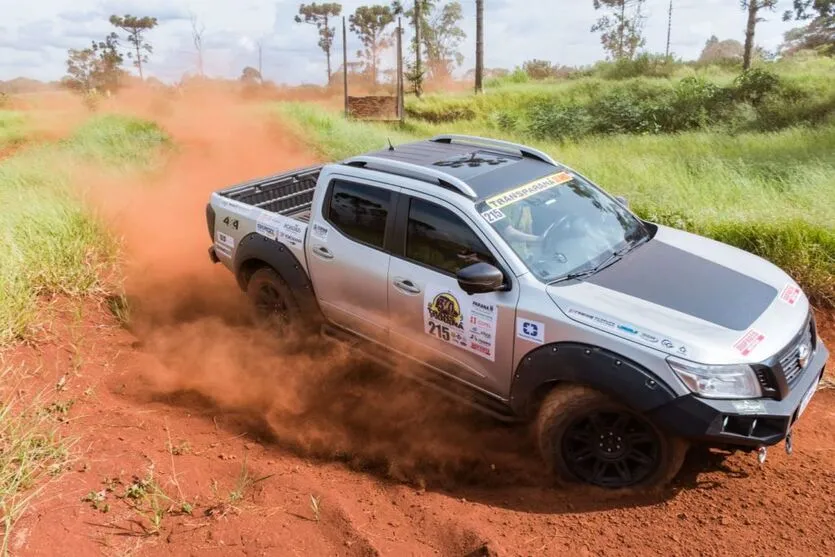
<point>52,245</point>
<point>12,129</point>
<point>769,193</point>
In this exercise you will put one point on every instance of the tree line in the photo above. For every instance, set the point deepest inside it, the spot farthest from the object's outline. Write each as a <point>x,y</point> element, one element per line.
<point>436,36</point>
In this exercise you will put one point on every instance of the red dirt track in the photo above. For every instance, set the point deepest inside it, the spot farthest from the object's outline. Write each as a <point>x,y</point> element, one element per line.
<point>396,470</point>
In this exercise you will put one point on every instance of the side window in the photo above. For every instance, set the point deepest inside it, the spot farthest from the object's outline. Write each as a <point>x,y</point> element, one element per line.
<point>359,211</point>
<point>436,237</point>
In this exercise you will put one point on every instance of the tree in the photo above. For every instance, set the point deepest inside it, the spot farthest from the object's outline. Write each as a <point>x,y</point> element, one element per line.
<point>319,15</point>
<point>621,27</point>
<point>441,37</point>
<point>809,9</point>
<point>479,46</point>
<point>754,7</point>
<point>818,34</point>
<point>95,68</point>
<point>718,51</point>
<point>136,27</point>
<point>197,30</point>
<point>369,23</point>
<point>250,76</point>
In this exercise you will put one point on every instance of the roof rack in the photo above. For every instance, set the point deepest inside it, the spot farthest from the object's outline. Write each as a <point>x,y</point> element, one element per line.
<point>503,145</point>
<point>418,172</point>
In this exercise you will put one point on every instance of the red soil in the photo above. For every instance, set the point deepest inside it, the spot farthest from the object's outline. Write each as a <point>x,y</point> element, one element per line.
<point>396,470</point>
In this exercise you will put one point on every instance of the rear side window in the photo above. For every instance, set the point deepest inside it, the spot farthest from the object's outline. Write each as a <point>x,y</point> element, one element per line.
<point>360,211</point>
<point>438,238</point>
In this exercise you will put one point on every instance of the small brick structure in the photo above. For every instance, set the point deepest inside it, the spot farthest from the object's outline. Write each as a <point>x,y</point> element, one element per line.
<point>373,107</point>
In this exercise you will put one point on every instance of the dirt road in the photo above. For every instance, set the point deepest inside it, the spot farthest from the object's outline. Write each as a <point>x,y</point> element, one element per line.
<point>260,449</point>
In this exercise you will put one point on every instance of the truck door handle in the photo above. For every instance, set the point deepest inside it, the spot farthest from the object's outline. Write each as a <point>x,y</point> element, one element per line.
<point>406,286</point>
<point>322,251</point>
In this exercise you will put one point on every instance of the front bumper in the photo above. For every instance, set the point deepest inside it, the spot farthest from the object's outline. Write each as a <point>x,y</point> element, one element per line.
<point>745,423</point>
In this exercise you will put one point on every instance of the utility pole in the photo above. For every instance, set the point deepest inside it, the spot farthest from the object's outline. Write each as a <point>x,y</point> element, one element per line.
<point>399,80</point>
<point>345,64</point>
<point>260,60</point>
<point>669,27</point>
<point>479,46</point>
<point>418,76</point>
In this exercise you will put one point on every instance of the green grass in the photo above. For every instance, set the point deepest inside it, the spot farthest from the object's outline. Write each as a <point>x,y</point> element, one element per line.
<point>51,243</point>
<point>13,131</point>
<point>770,193</point>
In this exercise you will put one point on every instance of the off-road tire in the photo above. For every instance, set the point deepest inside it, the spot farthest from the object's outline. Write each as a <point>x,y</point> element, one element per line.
<point>566,404</point>
<point>287,311</point>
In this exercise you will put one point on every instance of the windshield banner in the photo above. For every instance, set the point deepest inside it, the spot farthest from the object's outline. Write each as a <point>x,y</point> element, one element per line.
<point>529,189</point>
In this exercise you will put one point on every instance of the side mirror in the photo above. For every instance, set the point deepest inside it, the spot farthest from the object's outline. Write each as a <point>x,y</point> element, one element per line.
<point>622,200</point>
<point>480,278</point>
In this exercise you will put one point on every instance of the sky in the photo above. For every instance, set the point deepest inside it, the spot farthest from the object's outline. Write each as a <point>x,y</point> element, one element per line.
<point>35,35</point>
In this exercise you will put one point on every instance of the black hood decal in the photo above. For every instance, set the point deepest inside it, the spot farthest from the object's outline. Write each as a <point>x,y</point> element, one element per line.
<point>674,278</point>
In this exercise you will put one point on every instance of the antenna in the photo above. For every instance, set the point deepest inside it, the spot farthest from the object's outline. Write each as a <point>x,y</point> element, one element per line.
<point>391,147</point>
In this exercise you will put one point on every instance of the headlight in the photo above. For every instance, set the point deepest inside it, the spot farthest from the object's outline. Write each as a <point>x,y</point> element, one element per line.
<point>726,381</point>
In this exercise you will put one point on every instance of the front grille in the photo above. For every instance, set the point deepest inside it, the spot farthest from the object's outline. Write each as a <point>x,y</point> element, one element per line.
<point>790,361</point>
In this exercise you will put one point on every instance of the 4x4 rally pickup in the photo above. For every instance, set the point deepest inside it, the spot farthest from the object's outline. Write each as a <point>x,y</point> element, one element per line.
<point>518,285</point>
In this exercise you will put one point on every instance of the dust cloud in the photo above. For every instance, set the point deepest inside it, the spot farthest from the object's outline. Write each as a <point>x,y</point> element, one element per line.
<point>313,398</point>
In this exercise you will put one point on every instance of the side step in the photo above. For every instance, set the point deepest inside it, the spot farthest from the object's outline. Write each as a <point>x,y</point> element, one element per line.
<point>427,377</point>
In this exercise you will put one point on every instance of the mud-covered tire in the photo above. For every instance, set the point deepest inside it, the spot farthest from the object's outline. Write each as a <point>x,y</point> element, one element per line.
<point>273,299</point>
<point>578,428</point>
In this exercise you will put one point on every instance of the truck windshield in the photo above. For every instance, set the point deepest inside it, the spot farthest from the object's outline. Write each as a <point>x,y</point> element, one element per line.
<point>561,225</point>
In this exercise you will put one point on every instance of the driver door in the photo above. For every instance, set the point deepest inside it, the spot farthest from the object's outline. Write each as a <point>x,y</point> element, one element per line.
<point>469,337</point>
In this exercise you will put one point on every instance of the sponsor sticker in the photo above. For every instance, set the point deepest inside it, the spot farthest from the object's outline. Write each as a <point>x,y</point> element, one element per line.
<point>493,215</point>
<point>224,240</point>
<point>529,189</point>
<point>628,329</point>
<point>533,331</point>
<point>790,294</point>
<point>280,228</point>
<point>624,329</point>
<point>470,325</point>
<point>649,338</point>
<point>749,341</point>
<point>749,406</point>
<point>266,229</point>
<point>292,232</point>
<point>320,232</point>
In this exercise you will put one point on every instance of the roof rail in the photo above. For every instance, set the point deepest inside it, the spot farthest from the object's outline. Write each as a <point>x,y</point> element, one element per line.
<point>504,145</point>
<point>420,172</point>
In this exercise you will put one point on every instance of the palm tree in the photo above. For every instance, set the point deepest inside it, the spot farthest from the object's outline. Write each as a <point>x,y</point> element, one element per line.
<point>479,45</point>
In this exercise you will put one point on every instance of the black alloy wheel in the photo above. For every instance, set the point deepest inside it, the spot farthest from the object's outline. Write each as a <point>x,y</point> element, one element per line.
<point>611,448</point>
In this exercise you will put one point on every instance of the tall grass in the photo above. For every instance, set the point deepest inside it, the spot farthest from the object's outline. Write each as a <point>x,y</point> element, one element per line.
<point>12,129</point>
<point>51,244</point>
<point>769,193</point>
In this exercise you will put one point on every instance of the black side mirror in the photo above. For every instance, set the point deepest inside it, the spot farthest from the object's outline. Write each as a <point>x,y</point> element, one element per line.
<point>480,278</point>
<point>622,200</point>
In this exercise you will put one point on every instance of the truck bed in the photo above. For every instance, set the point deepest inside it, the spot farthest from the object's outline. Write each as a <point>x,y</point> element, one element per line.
<point>289,194</point>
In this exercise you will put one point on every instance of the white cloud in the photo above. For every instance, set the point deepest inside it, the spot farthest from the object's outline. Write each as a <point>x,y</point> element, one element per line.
<point>36,35</point>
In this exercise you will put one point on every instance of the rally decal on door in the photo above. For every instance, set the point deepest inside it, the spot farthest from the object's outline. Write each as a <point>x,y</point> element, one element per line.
<point>471,326</point>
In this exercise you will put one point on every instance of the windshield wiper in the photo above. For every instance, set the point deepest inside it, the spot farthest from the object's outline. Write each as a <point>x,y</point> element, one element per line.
<point>613,258</point>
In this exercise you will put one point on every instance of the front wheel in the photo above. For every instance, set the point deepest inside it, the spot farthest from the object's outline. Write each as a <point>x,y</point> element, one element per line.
<point>587,437</point>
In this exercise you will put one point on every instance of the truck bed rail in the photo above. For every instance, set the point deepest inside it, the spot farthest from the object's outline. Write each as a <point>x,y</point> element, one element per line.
<point>286,194</point>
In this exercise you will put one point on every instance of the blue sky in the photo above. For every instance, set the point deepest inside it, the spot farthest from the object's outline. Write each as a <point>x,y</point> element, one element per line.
<point>35,35</point>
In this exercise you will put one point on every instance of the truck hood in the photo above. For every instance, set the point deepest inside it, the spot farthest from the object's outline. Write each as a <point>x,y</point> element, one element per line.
<point>693,297</point>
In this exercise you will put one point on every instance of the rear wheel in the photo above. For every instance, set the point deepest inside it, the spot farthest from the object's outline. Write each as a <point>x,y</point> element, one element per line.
<point>587,437</point>
<point>273,300</point>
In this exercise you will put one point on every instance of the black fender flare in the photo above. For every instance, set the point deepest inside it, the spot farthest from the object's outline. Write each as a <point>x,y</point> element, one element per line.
<point>255,250</point>
<point>595,367</point>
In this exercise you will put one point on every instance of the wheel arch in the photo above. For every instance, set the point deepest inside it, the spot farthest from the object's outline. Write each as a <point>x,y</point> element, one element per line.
<point>546,367</point>
<point>256,251</point>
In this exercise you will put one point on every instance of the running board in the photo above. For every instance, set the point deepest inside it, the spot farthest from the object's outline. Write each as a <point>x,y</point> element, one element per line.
<point>432,379</point>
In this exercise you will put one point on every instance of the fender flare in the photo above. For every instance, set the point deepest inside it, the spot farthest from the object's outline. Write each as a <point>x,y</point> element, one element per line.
<point>255,250</point>
<point>595,367</point>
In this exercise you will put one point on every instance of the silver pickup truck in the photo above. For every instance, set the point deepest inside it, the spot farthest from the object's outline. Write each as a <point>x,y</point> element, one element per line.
<point>519,286</point>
